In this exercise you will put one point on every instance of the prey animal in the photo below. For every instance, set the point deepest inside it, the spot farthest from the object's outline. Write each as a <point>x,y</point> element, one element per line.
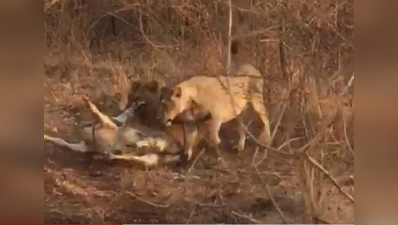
<point>130,141</point>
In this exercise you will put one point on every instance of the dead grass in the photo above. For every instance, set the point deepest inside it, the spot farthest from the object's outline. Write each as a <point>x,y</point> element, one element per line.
<point>305,51</point>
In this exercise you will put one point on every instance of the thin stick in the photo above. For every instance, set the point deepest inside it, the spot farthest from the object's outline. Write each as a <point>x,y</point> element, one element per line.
<point>206,205</point>
<point>228,62</point>
<point>278,149</point>
<point>228,59</point>
<point>278,123</point>
<point>281,214</point>
<point>255,156</point>
<point>147,202</point>
<point>251,219</point>
<point>346,136</point>
<point>348,85</point>
<point>197,158</point>
<point>49,4</point>
<point>329,176</point>
<point>191,215</point>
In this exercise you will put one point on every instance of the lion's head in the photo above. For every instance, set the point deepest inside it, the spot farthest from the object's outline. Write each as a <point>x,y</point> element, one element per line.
<point>160,105</point>
<point>145,95</point>
<point>178,108</point>
<point>169,107</point>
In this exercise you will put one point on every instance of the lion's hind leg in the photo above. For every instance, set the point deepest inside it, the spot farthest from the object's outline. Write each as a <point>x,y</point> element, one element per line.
<point>242,134</point>
<point>265,136</point>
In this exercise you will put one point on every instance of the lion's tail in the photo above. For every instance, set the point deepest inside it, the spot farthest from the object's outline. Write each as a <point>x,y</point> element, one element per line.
<point>238,68</point>
<point>235,45</point>
<point>234,48</point>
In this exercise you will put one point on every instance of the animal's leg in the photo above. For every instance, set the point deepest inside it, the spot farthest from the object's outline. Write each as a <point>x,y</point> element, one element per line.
<point>190,133</point>
<point>242,134</point>
<point>265,137</point>
<point>146,160</point>
<point>214,129</point>
<point>105,121</point>
<point>78,147</point>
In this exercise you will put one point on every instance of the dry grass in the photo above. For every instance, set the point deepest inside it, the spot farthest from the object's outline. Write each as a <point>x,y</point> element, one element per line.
<point>305,51</point>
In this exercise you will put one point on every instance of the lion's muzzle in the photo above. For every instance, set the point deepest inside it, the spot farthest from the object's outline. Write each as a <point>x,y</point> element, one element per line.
<point>168,122</point>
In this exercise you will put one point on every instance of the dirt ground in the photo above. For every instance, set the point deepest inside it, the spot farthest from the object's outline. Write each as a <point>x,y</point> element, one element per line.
<point>79,189</point>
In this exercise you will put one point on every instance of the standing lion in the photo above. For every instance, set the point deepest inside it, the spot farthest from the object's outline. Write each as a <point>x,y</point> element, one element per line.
<point>223,97</point>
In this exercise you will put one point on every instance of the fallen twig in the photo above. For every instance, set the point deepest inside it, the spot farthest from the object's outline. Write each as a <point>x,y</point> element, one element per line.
<point>329,176</point>
<point>281,214</point>
<point>320,220</point>
<point>205,204</point>
<point>350,82</point>
<point>190,216</point>
<point>278,150</point>
<point>196,159</point>
<point>49,4</point>
<point>251,219</point>
<point>346,136</point>
<point>157,205</point>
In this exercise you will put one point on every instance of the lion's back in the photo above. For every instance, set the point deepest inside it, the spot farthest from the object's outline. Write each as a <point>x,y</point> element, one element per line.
<point>215,88</point>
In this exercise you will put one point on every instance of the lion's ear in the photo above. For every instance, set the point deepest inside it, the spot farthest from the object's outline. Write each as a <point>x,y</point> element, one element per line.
<point>153,86</point>
<point>165,92</point>
<point>177,92</point>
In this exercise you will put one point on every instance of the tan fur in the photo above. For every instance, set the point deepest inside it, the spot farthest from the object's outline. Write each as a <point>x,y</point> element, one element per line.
<point>158,147</point>
<point>211,96</point>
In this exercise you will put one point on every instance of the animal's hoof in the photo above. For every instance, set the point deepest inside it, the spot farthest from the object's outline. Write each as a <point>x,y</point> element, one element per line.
<point>265,139</point>
<point>238,148</point>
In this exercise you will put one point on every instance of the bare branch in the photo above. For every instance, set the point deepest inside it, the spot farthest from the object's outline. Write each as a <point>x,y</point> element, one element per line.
<point>272,197</point>
<point>329,176</point>
<point>197,158</point>
<point>228,60</point>
<point>251,219</point>
<point>346,135</point>
<point>49,4</point>
<point>206,205</point>
<point>157,205</point>
<point>350,82</point>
